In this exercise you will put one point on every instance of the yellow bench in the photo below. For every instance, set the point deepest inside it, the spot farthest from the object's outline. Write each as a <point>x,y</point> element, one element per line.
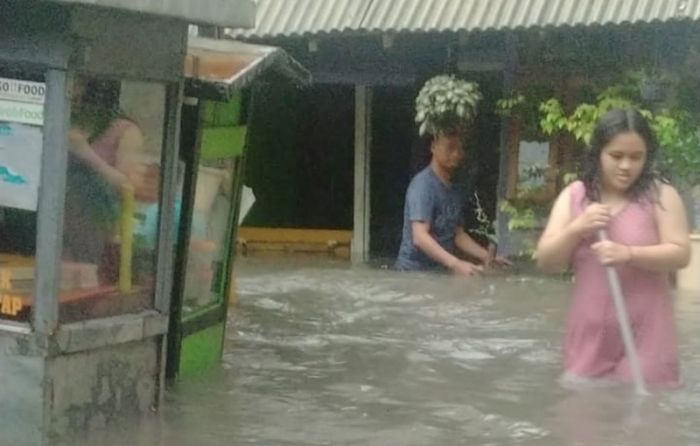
<point>335,243</point>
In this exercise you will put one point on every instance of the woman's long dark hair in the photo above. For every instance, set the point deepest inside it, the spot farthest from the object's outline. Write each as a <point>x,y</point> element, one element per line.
<point>99,107</point>
<point>613,123</point>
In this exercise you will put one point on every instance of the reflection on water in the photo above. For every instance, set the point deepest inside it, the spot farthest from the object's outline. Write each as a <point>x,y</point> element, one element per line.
<point>336,356</point>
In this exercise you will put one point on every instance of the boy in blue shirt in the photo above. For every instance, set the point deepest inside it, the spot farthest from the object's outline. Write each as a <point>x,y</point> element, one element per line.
<point>433,232</point>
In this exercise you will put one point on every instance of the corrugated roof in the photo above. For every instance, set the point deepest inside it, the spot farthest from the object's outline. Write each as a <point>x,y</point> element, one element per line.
<point>300,17</point>
<point>240,13</point>
<point>307,17</point>
<point>479,15</point>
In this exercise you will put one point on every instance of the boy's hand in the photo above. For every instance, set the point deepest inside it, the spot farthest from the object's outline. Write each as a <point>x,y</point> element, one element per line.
<point>462,268</point>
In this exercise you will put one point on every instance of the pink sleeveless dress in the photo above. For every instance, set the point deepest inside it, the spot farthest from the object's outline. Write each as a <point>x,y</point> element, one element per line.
<point>86,240</point>
<point>107,144</point>
<point>593,345</point>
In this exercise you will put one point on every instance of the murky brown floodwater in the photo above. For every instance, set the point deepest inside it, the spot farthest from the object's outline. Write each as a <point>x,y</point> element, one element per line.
<point>329,355</point>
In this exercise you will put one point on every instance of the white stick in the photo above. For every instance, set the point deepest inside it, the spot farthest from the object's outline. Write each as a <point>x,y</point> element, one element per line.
<point>625,328</point>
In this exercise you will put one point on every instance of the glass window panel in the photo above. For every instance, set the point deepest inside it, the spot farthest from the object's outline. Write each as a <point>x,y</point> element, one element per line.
<point>112,207</point>
<point>22,97</point>
<point>212,228</point>
<point>533,163</point>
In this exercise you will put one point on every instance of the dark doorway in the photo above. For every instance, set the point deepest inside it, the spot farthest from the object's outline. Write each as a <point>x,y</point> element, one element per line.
<point>300,162</point>
<point>393,138</point>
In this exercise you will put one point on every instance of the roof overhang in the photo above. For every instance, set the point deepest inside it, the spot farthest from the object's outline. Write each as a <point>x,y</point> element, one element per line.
<point>306,18</point>
<point>231,13</point>
<point>215,69</point>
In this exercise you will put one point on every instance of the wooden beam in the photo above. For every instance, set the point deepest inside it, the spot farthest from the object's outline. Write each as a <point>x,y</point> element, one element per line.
<point>335,243</point>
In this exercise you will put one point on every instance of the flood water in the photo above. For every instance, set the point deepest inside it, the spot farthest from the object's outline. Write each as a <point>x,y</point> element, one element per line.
<point>323,354</point>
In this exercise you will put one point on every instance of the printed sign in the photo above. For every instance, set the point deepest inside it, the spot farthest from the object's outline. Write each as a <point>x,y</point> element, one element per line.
<point>22,101</point>
<point>23,112</point>
<point>20,165</point>
<point>10,305</point>
<point>22,91</point>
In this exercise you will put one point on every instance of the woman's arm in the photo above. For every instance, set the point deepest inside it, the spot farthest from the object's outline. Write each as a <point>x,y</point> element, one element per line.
<point>563,232</point>
<point>130,161</point>
<point>80,147</point>
<point>673,250</point>
<point>558,241</point>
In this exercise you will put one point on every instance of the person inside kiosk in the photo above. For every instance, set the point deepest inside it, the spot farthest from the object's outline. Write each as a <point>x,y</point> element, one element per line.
<point>111,174</point>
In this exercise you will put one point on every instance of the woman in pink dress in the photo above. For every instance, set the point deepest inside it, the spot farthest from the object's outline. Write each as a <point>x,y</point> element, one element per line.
<point>647,229</point>
<point>104,160</point>
<point>102,137</point>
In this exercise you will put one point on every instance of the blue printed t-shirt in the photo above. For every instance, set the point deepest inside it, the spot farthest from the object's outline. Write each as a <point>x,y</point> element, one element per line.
<point>431,201</point>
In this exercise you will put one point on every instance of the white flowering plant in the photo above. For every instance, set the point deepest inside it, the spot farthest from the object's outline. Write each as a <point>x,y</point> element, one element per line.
<point>446,103</point>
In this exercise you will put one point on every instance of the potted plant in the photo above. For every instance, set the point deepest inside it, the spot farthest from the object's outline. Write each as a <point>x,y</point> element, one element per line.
<point>446,103</point>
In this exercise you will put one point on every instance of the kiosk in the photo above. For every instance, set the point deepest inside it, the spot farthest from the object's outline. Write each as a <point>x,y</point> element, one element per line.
<point>90,101</point>
<point>212,152</point>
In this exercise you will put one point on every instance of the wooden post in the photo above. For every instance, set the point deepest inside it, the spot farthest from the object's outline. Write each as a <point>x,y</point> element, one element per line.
<point>361,214</point>
<point>509,81</point>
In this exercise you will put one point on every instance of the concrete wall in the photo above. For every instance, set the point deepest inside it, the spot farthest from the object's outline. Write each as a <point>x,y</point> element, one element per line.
<point>21,376</point>
<point>128,45</point>
<point>90,389</point>
<point>82,376</point>
<point>74,393</point>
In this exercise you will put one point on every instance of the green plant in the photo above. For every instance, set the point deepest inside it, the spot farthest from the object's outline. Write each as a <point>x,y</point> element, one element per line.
<point>581,121</point>
<point>680,145</point>
<point>524,211</point>
<point>524,106</point>
<point>446,103</point>
<point>511,104</point>
<point>675,129</point>
<point>520,218</point>
<point>674,122</point>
